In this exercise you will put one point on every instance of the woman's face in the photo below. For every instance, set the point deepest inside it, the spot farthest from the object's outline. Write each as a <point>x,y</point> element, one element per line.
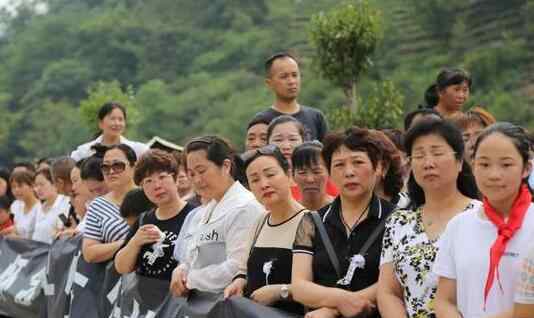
<point>80,193</point>
<point>116,170</point>
<point>268,181</point>
<point>160,188</point>
<point>353,173</point>
<point>312,180</point>
<point>498,168</point>
<point>21,191</point>
<point>286,136</point>
<point>434,164</point>
<point>3,187</point>
<point>113,124</point>
<point>206,175</point>
<point>470,135</point>
<point>44,189</point>
<point>453,97</point>
<point>182,180</point>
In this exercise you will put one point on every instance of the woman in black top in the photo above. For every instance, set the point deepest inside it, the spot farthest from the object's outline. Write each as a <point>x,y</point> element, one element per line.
<point>268,277</point>
<point>354,220</point>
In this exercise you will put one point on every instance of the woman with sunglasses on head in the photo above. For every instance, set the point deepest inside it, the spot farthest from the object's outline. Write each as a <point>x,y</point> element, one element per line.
<point>440,186</point>
<point>212,248</point>
<point>105,229</point>
<point>336,254</point>
<point>268,276</point>
<point>112,123</point>
<point>311,175</point>
<point>481,251</point>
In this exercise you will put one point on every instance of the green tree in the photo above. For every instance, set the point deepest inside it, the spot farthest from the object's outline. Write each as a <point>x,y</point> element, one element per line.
<point>344,40</point>
<point>382,109</point>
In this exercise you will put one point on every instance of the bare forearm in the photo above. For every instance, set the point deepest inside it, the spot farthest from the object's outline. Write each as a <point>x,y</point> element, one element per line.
<point>314,295</point>
<point>101,252</point>
<point>126,259</point>
<point>391,306</point>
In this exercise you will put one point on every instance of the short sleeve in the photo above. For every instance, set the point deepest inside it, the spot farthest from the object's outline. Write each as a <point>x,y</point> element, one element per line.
<point>305,236</point>
<point>445,265</point>
<point>525,288</point>
<point>386,255</point>
<point>93,225</point>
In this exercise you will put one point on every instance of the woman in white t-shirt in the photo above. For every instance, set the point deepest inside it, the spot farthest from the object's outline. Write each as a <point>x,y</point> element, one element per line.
<point>481,250</point>
<point>26,205</point>
<point>47,221</point>
<point>111,122</point>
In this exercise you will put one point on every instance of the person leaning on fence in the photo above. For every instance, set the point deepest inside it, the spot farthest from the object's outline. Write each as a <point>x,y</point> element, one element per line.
<point>105,229</point>
<point>26,205</point>
<point>481,250</point>
<point>53,205</point>
<point>336,255</point>
<point>440,186</point>
<point>268,276</point>
<point>212,250</point>
<point>149,246</point>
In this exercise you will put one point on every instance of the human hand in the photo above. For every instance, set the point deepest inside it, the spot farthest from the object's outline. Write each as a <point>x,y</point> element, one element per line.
<point>235,288</point>
<point>267,295</point>
<point>322,313</point>
<point>350,304</point>
<point>146,234</point>
<point>178,286</point>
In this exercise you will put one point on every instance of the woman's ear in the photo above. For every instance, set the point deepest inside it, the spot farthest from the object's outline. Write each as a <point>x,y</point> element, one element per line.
<point>227,167</point>
<point>528,170</point>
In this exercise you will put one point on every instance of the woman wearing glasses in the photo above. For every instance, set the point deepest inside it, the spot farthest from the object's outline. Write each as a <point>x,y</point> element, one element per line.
<point>440,187</point>
<point>105,229</point>
<point>112,123</point>
<point>212,249</point>
<point>149,246</point>
<point>268,278</point>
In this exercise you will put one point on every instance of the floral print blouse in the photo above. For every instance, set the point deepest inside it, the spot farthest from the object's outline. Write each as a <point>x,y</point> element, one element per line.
<point>412,253</point>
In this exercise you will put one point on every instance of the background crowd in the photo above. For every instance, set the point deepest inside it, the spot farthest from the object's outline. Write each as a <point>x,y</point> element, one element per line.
<point>431,221</point>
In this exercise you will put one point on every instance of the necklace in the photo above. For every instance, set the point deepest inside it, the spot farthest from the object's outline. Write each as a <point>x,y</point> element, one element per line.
<point>349,228</point>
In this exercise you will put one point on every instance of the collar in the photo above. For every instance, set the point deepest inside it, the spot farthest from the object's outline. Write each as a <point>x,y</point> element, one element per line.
<point>234,198</point>
<point>99,139</point>
<point>375,208</point>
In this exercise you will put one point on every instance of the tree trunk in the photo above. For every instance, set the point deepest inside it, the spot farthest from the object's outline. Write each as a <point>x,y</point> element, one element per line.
<point>351,95</point>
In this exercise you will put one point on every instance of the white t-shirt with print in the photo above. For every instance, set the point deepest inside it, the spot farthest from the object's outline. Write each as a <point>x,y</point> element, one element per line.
<point>24,222</point>
<point>464,256</point>
<point>47,222</point>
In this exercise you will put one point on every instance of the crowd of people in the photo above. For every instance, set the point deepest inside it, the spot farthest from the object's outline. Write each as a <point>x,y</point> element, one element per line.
<point>435,220</point>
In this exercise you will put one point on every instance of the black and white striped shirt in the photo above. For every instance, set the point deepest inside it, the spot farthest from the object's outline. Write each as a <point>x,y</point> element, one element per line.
<point>103,222</point>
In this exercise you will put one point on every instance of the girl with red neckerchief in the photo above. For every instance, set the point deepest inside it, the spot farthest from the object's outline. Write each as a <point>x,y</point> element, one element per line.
<point>482,249</point>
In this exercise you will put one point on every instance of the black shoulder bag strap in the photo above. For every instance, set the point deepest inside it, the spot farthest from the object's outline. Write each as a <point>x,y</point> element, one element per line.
<point>319,225</point>
<point>374,236</point>
<point>257,233</point>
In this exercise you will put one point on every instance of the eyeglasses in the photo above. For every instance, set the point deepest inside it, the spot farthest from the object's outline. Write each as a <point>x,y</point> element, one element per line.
<point>267,150</point>
<point>115,166</point>
<point>150,181</point>
<point>434,156</point>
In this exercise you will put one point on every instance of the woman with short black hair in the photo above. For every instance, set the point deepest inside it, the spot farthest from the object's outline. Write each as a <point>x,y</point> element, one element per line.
<point>336,254</point>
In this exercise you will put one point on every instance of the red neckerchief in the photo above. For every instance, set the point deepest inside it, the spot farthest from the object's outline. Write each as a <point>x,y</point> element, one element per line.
<point>506,231</point>
<point>6,224</point>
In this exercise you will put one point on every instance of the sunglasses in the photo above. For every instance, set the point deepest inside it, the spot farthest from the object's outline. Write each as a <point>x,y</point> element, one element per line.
<point>116,166</point>
<point>268,150</point>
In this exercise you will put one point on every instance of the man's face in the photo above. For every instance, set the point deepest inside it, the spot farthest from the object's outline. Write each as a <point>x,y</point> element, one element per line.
<point>256,136</point>
<point>284,78</point>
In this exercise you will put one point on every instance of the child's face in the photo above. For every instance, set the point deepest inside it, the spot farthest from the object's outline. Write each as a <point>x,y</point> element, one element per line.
<point>4,216</point>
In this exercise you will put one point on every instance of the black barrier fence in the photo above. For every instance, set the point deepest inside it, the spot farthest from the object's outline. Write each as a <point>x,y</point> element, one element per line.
<point>38,280</point>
